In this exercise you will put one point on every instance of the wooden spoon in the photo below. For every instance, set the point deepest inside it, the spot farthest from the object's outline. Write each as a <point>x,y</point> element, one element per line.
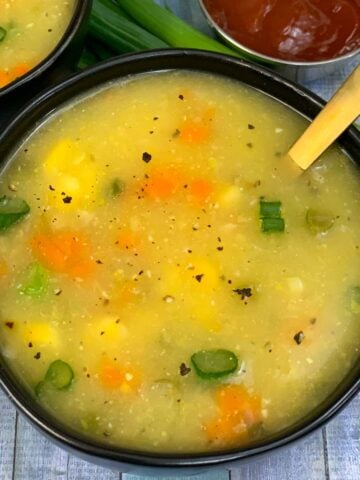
<point>339,113</point>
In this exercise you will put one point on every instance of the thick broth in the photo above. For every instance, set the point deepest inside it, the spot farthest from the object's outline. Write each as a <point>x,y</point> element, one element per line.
<point>144,245</point>
<point>29,31</point>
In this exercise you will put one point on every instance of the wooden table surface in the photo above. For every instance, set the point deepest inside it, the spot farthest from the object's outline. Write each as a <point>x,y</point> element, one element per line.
<point>331,453</point>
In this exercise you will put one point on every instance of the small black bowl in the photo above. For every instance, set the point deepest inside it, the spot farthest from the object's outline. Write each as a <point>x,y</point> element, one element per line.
<point>57,65</point>
<point>261,79</point>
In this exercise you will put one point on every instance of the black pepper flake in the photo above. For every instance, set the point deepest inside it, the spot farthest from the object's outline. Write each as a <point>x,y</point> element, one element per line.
<point>243,292</point>
<point>181,97</point>
<point>58,292</point>
<point>313,321</point>
<point>51,188</point>
<point>67,199</point>
<point>176,133</point>
<point>220,249</point>
<point>37,356</point>
<point>249,145</point>
<point>184,370</point>
<point>30,345</point>
<point>299,337</point>
<point>250,126</point>
<point>9,324</point>
<point>146,157</point>
<point>102,333</point>
<point>199,277</point>
<point>156,118</point>
<point>99,262</point>
<point>151,132</point>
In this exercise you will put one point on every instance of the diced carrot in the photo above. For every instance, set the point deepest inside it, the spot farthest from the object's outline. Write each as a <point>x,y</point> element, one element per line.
<point>200,190</point>
<point>192,132</point>
<point>128,240</point>
<point>19,71</point>
<point>226,431</point>
<point>63,252</point>
<point>4,78</point>
<point>114,377</point>
<point>239,411</point>
<point>235,401</point>
<point>163,184</point>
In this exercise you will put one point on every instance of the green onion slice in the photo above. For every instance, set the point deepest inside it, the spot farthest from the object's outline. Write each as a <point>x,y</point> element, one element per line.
<point>270,209</point>
<point>12,210</point>
<point>319,221</point>
<point>212,364</point>
<point>3,33</point>
<point>117,187</point>
<point>60,375</point>
<point>270,225</point>
<point>37,281</point>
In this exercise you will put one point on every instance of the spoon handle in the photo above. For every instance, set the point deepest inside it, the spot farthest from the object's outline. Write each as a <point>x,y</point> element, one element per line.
<point>339,113</point>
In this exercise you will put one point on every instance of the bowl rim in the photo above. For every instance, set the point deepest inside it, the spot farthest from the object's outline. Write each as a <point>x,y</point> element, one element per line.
<point>79,15</point>
<point>164,60</point>
<point>268,58</point>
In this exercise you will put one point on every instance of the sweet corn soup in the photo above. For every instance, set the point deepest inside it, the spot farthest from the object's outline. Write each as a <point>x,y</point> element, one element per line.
<point>166,284</point>
<point>29,31</point>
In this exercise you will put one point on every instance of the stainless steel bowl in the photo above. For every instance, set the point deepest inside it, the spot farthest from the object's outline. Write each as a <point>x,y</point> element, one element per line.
<point>298,71</point>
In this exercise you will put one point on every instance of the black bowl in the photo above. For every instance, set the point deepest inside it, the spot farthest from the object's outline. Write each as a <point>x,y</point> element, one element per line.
<point>56,65</point>
<point>263,80</point>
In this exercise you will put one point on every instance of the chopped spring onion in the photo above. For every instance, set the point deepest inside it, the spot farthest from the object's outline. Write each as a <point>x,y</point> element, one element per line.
<point>211,364</point>
<point>3,33</point>
<point>269,225</point>
<point>110,25</point>
<point>59,375</point>
<point>354,300</point>
<point>270,209</point>
<point>12,210</point>
<point>117,187</point>
<point>270,216</point>
<point>37,281</point>
<point>319,221</point>
<point>170,28</point>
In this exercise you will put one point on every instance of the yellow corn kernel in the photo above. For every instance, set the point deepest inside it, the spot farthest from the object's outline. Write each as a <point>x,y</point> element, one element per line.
<point>40,334</point>
<point>70,171</point>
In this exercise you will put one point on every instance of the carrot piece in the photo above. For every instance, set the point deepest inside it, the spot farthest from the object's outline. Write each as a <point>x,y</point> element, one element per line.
<point>194,133</point>
<point>238,412</point>
<point>64,253</point>
<point>235,401</point>
<point>110,376</point>
<point>163,184</point>
<point>19,71</point>
<point>115,377</point>
<point>128,240</point>
<point>4,78</point>
<point>200,190</point>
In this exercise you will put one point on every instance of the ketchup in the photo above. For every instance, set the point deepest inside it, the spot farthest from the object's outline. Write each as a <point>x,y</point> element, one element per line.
<point>299,30</point>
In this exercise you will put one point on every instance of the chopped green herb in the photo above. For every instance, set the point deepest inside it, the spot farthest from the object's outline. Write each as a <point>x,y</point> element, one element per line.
<point>3,33</point>
<point>117,187</point>
<point>37,281</point>
<point>12,210</point>
<point>270,209</point>
<point>319,221</point>
<point>269,225</point>
<point>59,375</point>
<point>212,364</point>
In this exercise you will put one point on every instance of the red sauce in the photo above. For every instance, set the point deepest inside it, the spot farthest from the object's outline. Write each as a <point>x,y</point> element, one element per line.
<point>300,30</point>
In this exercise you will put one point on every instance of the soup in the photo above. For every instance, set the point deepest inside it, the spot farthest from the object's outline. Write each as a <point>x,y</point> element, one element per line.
<point>166,285</point>
<point>29,32</point>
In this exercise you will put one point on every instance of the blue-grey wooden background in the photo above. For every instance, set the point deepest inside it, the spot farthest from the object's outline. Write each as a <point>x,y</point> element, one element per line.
<point>332,453</point>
